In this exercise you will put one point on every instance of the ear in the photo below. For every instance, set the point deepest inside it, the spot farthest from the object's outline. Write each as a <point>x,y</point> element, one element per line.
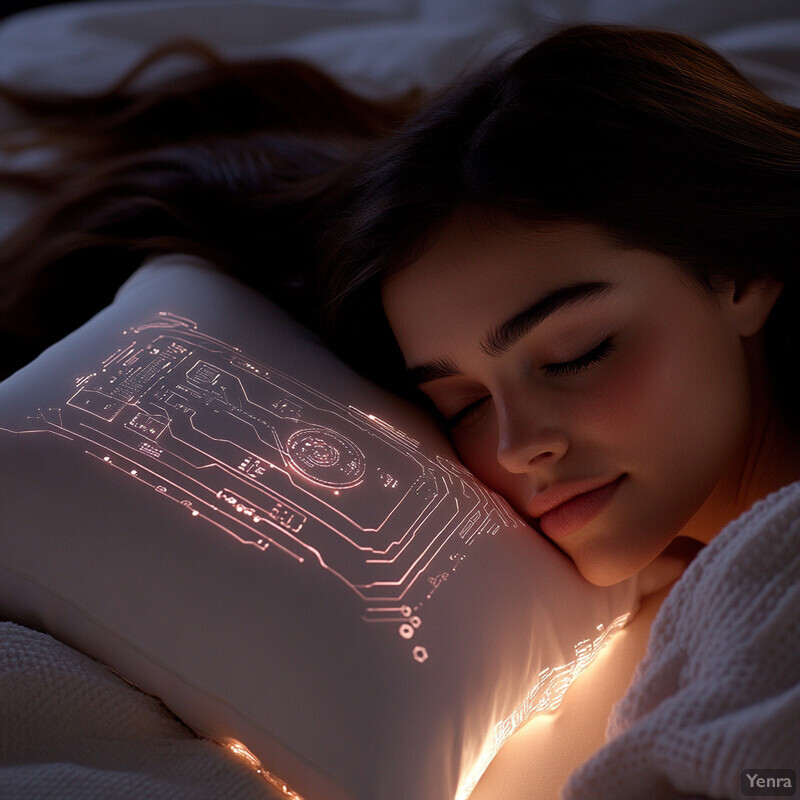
<point>749,305</point>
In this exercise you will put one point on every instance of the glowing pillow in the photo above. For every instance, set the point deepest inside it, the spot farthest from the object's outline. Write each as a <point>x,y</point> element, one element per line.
<point>195,492</point>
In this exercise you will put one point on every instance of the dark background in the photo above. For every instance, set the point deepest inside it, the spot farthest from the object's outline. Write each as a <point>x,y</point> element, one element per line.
<point>9,7</point>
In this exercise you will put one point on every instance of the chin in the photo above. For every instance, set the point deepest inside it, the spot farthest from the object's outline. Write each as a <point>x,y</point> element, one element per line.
<point>651,576</point>
<point>601,578</point>
<point>606,572</point>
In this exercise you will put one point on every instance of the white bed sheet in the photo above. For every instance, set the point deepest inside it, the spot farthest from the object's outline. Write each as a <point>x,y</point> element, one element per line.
<point>386,46</point>
<point>376,46</point>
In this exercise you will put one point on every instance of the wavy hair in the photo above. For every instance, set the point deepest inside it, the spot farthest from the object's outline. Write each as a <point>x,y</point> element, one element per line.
<point>239,162</point>
<point>312,194</point>
<point>650,135</point>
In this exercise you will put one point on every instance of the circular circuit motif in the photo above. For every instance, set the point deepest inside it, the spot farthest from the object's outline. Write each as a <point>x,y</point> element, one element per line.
<point>326,457</point>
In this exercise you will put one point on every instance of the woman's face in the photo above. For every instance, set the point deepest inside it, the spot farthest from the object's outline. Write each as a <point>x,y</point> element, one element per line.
<point>598,389</point>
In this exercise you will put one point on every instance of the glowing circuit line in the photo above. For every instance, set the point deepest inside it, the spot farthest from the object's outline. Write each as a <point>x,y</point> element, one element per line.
<point>272,461</point>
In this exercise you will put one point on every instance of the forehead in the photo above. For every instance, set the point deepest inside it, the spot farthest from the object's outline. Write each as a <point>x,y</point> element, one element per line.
<point>480,270</point>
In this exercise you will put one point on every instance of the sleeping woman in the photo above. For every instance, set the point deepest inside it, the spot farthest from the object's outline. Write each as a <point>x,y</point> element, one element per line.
<point>582,259</point>
<point>587,261</point>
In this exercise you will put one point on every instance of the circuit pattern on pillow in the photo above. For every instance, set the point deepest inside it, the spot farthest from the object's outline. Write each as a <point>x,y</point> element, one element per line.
<point>197,493</point>
<point>278,464</point>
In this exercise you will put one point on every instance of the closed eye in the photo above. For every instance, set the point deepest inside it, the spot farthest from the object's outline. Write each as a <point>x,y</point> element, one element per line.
<point>572,367</point>
<point>467,413</point>
<point>577,365</point>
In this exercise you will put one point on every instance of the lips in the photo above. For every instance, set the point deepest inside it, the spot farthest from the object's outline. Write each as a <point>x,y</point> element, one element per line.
<point>566,507</point>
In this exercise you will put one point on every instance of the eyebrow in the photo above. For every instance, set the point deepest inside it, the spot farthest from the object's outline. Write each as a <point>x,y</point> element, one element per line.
<point>508,333</point>
<point>501,338</point>
<point>430,371</point>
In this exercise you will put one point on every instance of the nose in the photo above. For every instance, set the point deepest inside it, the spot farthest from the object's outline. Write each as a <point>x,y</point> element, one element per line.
<point>526,442</point>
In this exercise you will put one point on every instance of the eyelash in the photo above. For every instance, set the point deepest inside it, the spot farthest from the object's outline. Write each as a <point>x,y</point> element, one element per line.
<point>465,414</point>
<point>595,355</point>
<point>573,367</point>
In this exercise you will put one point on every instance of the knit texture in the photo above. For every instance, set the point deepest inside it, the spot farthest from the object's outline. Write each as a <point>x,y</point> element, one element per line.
<point>71,729</point>
<point>718,691</point>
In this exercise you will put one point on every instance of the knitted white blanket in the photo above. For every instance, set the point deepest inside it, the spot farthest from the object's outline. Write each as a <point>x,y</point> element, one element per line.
<point>70,729</point>
<point>718,693</point>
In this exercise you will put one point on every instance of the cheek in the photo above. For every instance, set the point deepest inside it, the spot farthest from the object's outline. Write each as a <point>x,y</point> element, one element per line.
<point>676,404</point>
<point>477,448</point>
<point>623,405</point>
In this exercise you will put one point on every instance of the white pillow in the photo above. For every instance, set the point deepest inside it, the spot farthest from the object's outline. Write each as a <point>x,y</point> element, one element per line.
<point>197,493</point>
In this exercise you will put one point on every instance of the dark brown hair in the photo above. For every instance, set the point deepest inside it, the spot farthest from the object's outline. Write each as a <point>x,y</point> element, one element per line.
<point>235,161</point>
<point>272,170</point>
<point>650,135</point>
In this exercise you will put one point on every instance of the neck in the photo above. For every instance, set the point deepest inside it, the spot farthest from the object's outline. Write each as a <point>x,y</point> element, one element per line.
<point>770,460</point>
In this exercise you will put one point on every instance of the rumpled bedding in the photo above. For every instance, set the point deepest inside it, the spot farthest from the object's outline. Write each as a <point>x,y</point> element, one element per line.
<point>718,692</point>
<point>71,729</point>
<point>375,46</point>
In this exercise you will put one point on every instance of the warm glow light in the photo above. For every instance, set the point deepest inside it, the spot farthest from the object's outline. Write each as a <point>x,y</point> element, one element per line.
<point>545,697</point>
<point>238,749</point>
